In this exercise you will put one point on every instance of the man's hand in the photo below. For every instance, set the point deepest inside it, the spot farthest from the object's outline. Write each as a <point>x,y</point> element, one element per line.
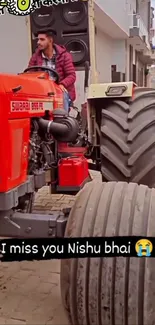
<point>63,88</point>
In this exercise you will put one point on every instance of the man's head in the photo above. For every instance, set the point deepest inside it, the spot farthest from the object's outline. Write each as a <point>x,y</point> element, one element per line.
<point>45,40</point>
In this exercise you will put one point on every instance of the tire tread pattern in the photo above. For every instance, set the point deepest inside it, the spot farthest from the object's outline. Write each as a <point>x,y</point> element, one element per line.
<point>128,139</point>
<point>110,291</point>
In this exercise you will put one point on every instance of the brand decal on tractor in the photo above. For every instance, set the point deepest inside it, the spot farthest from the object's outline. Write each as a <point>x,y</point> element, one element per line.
<point>24,106</point>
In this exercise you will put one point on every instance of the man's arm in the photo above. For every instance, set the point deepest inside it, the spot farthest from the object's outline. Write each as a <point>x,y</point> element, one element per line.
<point>32,61</point>
<point>70,75</point>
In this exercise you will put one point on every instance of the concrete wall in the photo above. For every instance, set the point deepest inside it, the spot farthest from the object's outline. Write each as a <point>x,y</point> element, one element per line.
<point>79,86</point>
<point>127,76</point>
<point>109,52</point>
<point>119,55</point>
<point>14,44</point>
<point>143,11</point>
<point>130,6</point>
<point>119,11</point>
<point>104,45</point>
<point>151,77</point>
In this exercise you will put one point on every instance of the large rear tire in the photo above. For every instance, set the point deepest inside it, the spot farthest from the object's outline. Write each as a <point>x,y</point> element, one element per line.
<point>110,291</point>
<point>128,139</point>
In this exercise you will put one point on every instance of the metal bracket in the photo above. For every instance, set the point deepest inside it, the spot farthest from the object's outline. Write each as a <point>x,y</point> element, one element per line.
<point>30,225</point>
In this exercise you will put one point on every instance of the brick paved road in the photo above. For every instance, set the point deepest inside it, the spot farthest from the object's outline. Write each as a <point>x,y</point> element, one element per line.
<point>30,291</point>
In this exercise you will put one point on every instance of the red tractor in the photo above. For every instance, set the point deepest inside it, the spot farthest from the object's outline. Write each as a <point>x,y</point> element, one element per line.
<point>40,144</point>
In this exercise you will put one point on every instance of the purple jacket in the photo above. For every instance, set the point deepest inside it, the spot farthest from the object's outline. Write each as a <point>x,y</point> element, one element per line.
<point>64,67</point>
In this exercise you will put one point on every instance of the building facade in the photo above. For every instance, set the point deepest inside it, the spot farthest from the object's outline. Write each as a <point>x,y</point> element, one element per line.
<point>126,30</point>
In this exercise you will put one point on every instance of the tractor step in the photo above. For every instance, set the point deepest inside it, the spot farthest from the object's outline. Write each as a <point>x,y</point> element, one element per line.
<point>33,225</point>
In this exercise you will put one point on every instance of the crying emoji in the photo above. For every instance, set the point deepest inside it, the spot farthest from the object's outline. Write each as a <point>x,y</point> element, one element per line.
<point>144,247</point>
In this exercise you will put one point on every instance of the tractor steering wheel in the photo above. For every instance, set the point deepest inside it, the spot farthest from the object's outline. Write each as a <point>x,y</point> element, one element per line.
<point>37,67</point>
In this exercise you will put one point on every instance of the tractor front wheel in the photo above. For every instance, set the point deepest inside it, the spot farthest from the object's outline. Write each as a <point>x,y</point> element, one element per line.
<point>116,290</point>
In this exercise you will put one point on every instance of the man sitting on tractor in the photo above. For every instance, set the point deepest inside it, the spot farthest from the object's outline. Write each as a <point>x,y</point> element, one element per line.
<point>57,58</point>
